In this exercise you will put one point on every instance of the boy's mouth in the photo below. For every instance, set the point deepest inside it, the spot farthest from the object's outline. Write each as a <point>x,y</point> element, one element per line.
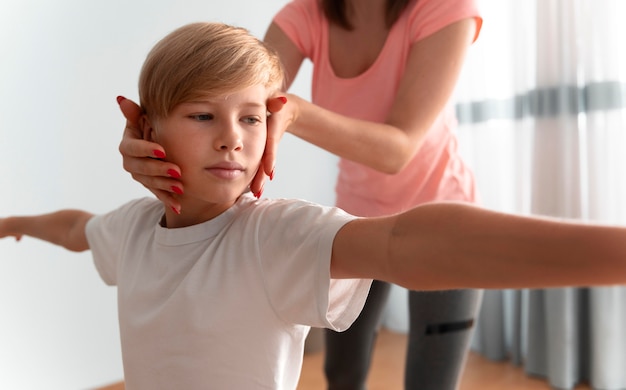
<point>226,170</point>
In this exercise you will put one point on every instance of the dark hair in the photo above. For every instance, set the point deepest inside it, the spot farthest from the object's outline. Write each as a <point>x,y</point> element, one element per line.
<point>337,12</point>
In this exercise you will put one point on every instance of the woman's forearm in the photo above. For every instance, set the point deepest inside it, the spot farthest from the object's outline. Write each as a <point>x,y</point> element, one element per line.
<point>353,139</point>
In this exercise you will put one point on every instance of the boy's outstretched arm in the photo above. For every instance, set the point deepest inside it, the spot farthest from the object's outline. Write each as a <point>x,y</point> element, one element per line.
<point>453,245</point>
<point>65,228</point>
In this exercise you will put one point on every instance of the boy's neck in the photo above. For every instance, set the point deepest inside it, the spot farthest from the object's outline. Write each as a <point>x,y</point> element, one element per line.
<point>193,214</point>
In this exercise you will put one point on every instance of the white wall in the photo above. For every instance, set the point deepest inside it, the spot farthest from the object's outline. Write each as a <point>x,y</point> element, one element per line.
<point>62,63</point>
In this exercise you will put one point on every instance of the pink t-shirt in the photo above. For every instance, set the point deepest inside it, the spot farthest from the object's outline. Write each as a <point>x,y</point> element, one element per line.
<point>436,172</point>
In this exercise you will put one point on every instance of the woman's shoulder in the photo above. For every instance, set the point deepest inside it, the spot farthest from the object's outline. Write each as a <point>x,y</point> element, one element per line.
<point>303,22</point>
<point>299,10</point>
<point>426,17</point>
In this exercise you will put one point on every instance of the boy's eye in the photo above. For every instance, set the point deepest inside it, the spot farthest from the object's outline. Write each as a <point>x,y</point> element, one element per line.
<point>202,117</point>
<point>251,120</point>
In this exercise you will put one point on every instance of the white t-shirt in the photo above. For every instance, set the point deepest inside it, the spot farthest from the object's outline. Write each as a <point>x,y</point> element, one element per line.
<point>225,304</point>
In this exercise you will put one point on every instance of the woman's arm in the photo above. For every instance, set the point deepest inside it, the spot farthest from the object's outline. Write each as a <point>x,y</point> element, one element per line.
<point>455,245</point>
<point>287,51</point>
<point>432,71</point>
<point>65,228</point>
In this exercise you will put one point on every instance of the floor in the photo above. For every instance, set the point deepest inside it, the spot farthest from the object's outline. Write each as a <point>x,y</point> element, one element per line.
<point>388,365</point>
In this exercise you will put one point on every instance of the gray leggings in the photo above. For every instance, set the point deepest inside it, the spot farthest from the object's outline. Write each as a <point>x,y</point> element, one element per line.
<point>440,329</point>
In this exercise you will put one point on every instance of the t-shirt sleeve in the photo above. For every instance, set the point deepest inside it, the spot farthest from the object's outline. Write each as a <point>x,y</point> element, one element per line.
<point>430,16</point>
<point>301,21</point>
<point>106,234</point>
<point>295,256</point>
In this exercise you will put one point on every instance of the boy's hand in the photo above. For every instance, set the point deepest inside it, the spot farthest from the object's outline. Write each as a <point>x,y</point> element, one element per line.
<point>5,230</point>
<point>142,158</point>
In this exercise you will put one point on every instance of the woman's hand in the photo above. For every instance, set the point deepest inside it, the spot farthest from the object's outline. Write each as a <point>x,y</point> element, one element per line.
<point>141,158</point>
<point>277,123</point>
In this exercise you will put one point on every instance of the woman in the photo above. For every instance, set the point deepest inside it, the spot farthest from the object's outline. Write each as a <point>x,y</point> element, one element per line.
<point>383,75</point>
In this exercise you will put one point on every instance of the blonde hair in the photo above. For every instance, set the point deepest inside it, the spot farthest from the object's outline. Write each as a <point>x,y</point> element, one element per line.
<point>202,60</point>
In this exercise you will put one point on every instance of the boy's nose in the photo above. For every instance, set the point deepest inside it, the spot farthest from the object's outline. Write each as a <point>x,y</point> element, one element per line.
<point>229,139</point>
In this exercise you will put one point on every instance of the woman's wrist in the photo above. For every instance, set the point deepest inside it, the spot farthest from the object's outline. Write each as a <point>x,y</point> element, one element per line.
<point>293,110</point>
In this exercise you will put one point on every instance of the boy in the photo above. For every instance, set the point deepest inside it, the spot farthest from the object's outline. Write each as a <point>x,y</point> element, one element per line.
<point>221,293</point>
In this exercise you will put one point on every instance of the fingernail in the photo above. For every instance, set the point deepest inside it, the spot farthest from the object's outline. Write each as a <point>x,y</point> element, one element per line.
<point>177,190</point>
<point>258,194</point>
<point>173,173</point>
<point>177,211</point>
<point>272,174</point>
<point>158,154</point>
<point>120,99</point>
<point>283,99</point>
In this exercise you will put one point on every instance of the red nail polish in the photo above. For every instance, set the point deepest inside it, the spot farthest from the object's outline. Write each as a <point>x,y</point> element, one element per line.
<point>272,175</point>
<point>177,211</point>
<point>158,154</point>
<point>173,173</point>
<point>177,190</point>
<point>282,99</point>
<point>120,99</point>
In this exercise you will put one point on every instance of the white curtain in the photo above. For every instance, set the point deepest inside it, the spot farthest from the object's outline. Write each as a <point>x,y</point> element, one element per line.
<point>542,113</point>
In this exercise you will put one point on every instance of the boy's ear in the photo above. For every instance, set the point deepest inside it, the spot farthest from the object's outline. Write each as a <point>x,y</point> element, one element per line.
<point>146,128</point>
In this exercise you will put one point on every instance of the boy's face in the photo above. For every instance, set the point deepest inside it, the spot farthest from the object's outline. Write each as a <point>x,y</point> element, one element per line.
<point>218,144</point>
